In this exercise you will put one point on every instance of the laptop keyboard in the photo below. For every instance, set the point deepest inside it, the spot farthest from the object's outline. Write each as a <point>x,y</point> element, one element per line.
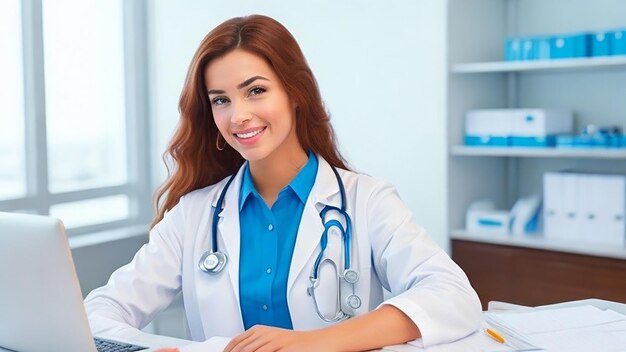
<point>103,345</point>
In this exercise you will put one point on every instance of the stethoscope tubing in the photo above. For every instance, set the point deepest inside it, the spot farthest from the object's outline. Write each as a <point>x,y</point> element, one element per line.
<point>216,213</point>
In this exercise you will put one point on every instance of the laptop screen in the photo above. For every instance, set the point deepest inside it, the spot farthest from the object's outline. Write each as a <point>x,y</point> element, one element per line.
<point>41,305</point>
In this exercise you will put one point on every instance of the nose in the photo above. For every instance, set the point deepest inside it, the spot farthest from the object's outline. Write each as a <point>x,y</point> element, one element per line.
<point>241,113</point>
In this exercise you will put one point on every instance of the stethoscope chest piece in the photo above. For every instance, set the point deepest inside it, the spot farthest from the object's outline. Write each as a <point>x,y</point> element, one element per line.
<point>351,276</point>
<point>353,301</point>
<point>213,262</point>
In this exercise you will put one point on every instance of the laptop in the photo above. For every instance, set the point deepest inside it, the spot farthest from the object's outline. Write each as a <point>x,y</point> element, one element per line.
<point>41,305</point>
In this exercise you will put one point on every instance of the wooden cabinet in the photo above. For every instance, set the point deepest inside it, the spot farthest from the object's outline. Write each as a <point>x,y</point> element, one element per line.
<point>536,277</point>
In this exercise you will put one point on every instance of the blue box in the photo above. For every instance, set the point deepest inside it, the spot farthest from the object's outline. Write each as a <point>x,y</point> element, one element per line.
<point>601,43</point>
<point>545,141</point>
<point>622,143</point>
<point>565,141</point>
<point>527,47</point>
<point>569,46</point>
<point>512,49</point>
<point>618,42</point>
<point>583,141</point>
<point>487,141</point>
<point>541,48</point>
<point>615,141</point>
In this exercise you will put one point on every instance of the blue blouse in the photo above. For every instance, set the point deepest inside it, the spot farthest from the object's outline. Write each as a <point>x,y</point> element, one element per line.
<point>268,237</point>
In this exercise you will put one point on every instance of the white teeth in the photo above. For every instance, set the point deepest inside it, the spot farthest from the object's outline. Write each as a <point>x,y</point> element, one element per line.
<point>249,134</point>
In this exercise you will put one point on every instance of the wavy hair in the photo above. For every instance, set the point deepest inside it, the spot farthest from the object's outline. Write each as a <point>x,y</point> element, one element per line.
<point>197,162</point>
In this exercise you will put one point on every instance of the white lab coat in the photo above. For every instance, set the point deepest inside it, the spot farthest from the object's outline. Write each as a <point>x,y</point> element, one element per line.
<point>389,251</point>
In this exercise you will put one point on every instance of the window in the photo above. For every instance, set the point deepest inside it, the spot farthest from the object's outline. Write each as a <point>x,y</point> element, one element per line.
<point>73,111</point>
<point>12,153</point>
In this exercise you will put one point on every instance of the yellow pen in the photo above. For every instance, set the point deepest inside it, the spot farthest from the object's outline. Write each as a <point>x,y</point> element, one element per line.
<point>495,335</point>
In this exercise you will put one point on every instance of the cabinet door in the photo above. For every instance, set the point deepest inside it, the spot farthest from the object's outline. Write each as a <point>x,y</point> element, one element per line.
<point>488,269</point>
<point>545,277</point>
<point>537,277</point>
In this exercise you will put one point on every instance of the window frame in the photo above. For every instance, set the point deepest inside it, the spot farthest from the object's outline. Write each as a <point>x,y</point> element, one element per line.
<point>138,186</point>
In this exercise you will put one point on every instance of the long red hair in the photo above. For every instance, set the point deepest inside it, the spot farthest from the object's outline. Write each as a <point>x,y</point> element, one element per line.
<point>197,161</point>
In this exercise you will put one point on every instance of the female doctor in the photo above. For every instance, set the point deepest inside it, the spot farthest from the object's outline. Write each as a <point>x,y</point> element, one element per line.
<point>269,235</point>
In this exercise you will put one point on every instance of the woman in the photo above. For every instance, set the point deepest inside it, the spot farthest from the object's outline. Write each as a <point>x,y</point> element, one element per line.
<point>281,265</point>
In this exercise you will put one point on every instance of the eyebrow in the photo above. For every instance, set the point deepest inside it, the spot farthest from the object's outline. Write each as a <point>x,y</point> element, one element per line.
<point>239,86</point>
<point>249,81</point>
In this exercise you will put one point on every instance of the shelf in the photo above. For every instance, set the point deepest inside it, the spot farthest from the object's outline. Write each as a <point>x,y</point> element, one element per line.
<point>592,63</point>
<point>460,150</point>
<point>538,242</point>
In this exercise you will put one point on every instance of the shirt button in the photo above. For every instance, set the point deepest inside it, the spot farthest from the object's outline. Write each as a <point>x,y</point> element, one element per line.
<point>264,307</point>
<point>270,227</point>
<point>269,270</point>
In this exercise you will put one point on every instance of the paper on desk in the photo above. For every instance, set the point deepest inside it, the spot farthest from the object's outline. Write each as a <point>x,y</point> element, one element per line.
<point>572,329</point>
<point>550,320</point>
<point>609,337</point>
<point>214,344</point>
<point>476,342</point>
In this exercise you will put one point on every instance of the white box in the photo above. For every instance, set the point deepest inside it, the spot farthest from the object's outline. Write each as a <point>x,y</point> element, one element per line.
<point>585,208</point>
<point>589,206</point>
<point>569,216</point>
<point>610,191</point>
<point>541,122</point>
<point>488,122</point>
<point>552,205</point>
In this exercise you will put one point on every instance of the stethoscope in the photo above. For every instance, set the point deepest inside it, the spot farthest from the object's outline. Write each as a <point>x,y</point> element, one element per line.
<point>214,261</point>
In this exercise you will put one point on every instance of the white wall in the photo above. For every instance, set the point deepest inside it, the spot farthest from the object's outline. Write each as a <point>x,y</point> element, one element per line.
<point>381,67</point>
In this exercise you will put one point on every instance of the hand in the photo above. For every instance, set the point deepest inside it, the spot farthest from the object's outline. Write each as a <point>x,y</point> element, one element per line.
<point>262,338</point>
<point>168,349</point>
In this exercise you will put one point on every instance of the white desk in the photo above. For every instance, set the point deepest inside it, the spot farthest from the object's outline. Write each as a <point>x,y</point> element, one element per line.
<point>480,342</point>
<point>475,342</point>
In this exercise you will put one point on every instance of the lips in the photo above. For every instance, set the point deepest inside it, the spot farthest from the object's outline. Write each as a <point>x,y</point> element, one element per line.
<point>249,136</point>
<point>249,133</point>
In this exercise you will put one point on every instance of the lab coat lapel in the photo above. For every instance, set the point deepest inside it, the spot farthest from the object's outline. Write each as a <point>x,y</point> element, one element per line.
<point>325,191</point>
<point>229,232</point>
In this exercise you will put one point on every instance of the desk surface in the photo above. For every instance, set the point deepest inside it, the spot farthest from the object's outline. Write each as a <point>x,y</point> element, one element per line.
<point>475,342</point>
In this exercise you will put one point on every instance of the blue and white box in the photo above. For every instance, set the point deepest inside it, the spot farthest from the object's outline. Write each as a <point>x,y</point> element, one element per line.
<point>483,218</point>
<point>488,127</point>
<point>539,127</point>
<point>601,43</point>
<point>516,127</point>
<point>569,46</point>
<point>618,42</point>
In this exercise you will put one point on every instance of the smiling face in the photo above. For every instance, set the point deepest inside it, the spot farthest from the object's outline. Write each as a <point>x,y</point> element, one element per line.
<point>251,107</point>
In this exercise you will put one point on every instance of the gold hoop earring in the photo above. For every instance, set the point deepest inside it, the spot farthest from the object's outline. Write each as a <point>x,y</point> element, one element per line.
<point>217,142</point>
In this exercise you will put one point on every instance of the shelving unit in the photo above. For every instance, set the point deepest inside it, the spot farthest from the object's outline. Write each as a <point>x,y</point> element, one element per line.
<point>590,64</point>
<point>600,153</point>
<point>594,88</point>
